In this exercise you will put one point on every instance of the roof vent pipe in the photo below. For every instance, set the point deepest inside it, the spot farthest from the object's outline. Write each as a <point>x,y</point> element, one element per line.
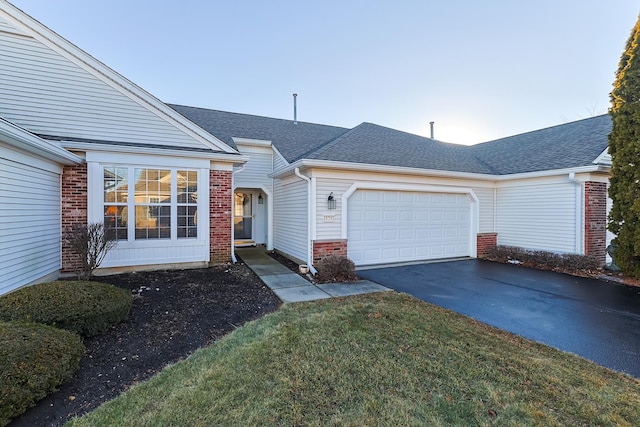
<point>295,109</point>
<point>431,124</point>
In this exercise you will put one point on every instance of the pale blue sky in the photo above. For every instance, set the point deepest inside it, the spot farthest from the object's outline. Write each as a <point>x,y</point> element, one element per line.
<point>479,70</point>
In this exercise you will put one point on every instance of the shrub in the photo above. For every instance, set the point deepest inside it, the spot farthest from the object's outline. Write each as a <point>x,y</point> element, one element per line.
<point>34,360</point>
<point>336,268</point>
<point>90,242</point>
<point>543,259</point>
<point>87,308</point>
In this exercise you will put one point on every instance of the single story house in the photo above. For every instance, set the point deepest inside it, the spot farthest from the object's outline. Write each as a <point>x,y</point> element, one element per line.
<point>183,186</point>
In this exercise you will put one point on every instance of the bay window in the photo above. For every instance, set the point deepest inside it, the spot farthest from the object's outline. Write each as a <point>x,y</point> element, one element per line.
<point>151,203</point>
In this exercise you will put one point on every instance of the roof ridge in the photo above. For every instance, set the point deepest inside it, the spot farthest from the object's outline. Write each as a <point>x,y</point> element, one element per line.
<point>330,143</point>
<point>254,115</point>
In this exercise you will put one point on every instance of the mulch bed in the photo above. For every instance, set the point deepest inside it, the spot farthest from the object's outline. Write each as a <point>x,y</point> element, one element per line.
<point>174,313</point>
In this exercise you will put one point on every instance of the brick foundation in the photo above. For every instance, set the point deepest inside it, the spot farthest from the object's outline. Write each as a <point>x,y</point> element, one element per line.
<point>486,242</point>
<point>322,248</point>
<point>220,210</point>
<point>595,220</point>
<point>74,210</point>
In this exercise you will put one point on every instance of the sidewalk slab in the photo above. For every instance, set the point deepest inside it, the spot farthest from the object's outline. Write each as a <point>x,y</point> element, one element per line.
<point>267,269</point>
<point>356,288</point>
<point>300,294</point>
<point>291,287</point>
<point>287,280</point>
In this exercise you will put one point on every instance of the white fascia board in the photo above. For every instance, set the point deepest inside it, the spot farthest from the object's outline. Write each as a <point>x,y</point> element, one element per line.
<point>251,141</point>
<point>152,151</point>
<point>20,138</point>
<point>362,167</point>
<point>365,167</point>
<point>126,87</point>
<point>553,172</point>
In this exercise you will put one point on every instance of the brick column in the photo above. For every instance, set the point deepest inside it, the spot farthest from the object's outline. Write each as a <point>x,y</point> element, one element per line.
<point>595,220</point>
<point>220,210</point>
<point>485,242</point>
<point>74,210</point>
<point>323,248</point>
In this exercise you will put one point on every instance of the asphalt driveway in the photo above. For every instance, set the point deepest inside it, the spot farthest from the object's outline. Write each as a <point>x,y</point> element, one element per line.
<point>597,320</point>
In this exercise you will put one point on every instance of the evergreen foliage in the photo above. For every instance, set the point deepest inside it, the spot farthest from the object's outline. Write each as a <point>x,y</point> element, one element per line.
<point>624,147</point>
<point>35,360</point>
<point>86,308</point>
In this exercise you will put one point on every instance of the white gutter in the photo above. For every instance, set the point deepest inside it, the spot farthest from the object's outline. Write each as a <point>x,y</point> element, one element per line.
<point>311,216</point>
<point>233,189</point>
<point>25,140</point>
<point>168,151</point>
<point>579,213</point>
<point>365,167</point>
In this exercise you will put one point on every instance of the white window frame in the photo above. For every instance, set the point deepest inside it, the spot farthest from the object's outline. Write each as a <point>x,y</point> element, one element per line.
<point>96,161</point>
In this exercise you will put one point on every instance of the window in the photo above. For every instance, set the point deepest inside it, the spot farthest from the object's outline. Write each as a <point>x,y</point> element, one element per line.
<point>151,203</point>
<point>115,201</point>
<point>187,204</point>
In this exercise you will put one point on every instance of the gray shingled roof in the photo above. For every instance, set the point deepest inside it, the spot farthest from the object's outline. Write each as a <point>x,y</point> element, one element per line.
<point>564,146</point>
<point>373,144</point>
<point>293,141</point>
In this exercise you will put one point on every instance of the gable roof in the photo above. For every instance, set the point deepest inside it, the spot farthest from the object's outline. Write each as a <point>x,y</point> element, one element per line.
<point>293,141</point>
<point>51,87</point>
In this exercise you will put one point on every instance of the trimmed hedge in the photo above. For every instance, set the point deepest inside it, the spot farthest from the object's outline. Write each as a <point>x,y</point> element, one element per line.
<point>336,268</point>
<point>86,308</point>
<point>34,360</point>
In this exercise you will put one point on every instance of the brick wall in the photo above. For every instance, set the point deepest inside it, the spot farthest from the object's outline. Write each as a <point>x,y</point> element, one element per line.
<point>485,242</point>
<point>595,220</point>
<point>220,210</point>
<point>74,210</point>
<point>322,248</point>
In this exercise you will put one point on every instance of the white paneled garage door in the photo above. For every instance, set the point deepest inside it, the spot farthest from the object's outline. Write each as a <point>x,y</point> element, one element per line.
<point>401,226</point>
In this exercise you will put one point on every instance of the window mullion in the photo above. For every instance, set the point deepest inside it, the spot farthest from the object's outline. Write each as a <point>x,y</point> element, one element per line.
<point>174,204</point>
<point>131,205</point>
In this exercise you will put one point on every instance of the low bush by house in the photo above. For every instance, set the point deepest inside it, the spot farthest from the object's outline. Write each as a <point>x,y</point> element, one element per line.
<point>87,308</point>
<point>336,268</point>
<point>34,360</point>
<point>543,259</point>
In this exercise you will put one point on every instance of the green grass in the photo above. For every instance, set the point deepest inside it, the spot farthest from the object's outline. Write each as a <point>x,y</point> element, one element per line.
<point>375,360</point>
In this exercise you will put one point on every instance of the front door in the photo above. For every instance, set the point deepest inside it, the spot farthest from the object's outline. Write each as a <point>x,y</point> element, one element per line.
<point>243,216</point>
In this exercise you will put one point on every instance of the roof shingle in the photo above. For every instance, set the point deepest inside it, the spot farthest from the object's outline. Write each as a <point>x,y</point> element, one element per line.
<point>564,146</point>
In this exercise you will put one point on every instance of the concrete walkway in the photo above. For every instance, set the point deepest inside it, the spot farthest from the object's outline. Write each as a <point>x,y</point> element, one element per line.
<point>291,287</point>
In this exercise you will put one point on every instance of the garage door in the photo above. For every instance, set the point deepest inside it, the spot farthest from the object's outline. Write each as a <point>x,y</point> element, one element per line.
<point>398,226</point>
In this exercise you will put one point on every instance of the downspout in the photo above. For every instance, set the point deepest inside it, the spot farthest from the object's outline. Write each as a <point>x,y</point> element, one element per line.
<point>309,222</point>
<point>233,189</point>
<point>579,247</point>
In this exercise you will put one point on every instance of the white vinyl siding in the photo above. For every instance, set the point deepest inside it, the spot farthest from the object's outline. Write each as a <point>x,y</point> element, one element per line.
<point>30,224</point>
<point>540,217</point>
<point>401,226</point>
<point>278,161</point>
<point>486,208</point>
<point>256,170</point>
<point>290,229</point>
<point>50,95</point>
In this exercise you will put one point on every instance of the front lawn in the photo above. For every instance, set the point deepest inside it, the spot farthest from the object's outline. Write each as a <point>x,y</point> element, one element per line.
<point>378,359</point>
